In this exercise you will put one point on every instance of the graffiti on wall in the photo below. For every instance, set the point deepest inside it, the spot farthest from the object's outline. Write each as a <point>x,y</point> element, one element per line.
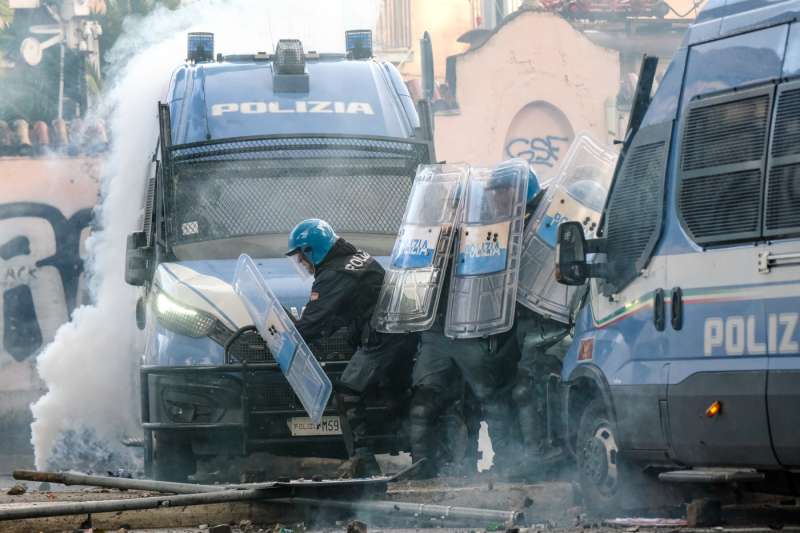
<point>21,263</point>
<point>538,151</point>
<point>45,217</point>
<point>539,133</point>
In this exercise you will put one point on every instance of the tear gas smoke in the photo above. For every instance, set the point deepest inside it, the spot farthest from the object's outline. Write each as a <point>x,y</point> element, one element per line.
<point>90,367</point>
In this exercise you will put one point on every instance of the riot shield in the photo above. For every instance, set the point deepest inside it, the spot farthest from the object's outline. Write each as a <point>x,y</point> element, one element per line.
<point>413,282</point>
<point>295,359</point>
<point>483,280</point>
<point>578,192</point>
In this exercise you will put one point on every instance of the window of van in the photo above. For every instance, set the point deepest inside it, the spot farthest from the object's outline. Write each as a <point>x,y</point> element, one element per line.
<point>740,60</point>
<point>791,65</point>
<point>730,190</point>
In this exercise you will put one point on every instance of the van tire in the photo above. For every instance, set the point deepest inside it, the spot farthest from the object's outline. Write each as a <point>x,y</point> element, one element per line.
<point>603,474</point>
<point>173,458</point>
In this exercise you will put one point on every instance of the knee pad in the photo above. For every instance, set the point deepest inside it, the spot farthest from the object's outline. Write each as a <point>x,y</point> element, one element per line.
<point>523,389</point>
<point>425,404</point>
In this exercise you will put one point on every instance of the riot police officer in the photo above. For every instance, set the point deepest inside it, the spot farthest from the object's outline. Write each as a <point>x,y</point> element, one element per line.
<point>544,310</point>
<point>481,362</point>
<point>346,285</point>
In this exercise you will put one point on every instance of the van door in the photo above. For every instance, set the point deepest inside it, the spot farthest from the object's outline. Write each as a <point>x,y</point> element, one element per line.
<point>717,349</point>
<point>780,270</point>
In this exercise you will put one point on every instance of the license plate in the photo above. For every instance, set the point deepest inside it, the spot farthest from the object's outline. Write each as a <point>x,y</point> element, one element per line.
<point>304,427</point>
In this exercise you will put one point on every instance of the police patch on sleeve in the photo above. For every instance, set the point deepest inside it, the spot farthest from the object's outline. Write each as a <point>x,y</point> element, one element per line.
<point>415,247</point>
<point>482,249</point>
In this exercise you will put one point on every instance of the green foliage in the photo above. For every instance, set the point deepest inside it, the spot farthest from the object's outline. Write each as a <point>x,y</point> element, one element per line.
<point>32,92</point>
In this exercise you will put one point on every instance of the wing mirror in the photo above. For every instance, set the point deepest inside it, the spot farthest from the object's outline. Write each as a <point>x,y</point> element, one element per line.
<point>571,254</point>
<point>138,259</point>
<point>572,266</point>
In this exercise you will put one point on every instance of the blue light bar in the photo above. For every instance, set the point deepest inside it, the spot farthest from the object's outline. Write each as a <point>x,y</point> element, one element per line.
<point>200,46</point>
<point>358,44</point>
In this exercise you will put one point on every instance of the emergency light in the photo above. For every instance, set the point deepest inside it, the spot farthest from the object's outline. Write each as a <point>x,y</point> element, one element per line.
<point>200,46</point>
<point>289,57</point>
<point>358,44</point>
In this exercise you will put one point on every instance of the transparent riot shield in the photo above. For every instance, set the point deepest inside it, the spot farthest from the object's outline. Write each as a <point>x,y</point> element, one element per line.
<point>483,280</point>
<point>578,192</point>
<point>413,282</point>
<point>285,343</point>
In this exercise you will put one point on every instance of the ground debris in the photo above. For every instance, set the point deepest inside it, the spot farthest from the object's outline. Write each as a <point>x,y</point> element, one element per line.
<point>356,527</point>
<point>17,490</point>
<point>221,528</point>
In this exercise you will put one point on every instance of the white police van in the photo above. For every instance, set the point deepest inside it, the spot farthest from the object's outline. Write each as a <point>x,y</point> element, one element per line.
<point>686,358</point>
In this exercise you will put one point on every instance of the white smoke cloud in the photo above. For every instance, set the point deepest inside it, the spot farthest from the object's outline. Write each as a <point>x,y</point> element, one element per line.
<point>90,367</point>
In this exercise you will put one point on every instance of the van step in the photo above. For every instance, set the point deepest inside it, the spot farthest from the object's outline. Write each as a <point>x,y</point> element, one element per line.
<point>712,475</point>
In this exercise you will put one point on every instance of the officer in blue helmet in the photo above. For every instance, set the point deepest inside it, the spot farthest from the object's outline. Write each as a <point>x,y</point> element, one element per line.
<point>347,282</point>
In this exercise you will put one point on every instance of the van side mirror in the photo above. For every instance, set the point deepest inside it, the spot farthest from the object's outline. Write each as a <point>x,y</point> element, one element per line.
<point>571,268</point>
<point>138,259</point>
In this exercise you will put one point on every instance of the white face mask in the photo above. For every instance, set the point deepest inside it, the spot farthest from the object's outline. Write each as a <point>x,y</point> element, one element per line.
<point>302,266</point>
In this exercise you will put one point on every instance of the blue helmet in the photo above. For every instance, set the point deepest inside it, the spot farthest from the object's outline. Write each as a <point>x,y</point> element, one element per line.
<point>313,238</point>
<point>533,186</point>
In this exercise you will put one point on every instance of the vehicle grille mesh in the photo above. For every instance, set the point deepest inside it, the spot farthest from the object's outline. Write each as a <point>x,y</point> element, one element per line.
<point>725,134</point>
<point>250,347</point>
<point>783,181</point>
<point>783,199</point>
<point>786,136</point>
<point>718,206</point>
<point>634,212</point>
<point>257,187</point>
<point>722,159</point>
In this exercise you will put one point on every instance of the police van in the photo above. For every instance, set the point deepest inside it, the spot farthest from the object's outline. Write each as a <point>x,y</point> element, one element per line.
<point>249,146</point>
<point>686,356</point>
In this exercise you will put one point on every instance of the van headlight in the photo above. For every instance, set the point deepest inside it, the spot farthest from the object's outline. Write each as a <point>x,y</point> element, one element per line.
<point>181,318</point>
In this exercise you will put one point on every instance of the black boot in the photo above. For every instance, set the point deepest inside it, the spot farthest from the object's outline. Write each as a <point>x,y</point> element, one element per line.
<point>361,464</point>
<point>498,414</point>
<point>531,423</point>
<point>362,461</point>
<point>425,410</point>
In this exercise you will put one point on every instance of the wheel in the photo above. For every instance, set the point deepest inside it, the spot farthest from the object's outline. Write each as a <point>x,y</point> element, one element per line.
<point>173,459</point>
<point>603,474</point>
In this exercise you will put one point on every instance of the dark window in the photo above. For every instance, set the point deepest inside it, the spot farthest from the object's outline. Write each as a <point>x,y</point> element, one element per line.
<point>635,208</point>
<point>782,210</point>
<point>740,60</point>
<point>722,161</point>
<point>791,64</point>
<point>664,105</point>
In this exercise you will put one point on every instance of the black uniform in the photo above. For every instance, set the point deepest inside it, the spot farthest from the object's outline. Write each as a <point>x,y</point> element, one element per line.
<point>345,290</point>
<point>442,367</point>
<point>535,336</point>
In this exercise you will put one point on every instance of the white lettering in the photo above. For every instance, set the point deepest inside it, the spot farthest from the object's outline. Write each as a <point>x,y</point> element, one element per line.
<point>275,107</point>
<point>253,107</point>
<point>218,109</point>
<point>320,107</point>
<point>754,347</point>
<point>360,107</point>
<point>300,106</point>
<point>712,337</point>
<point>734,335</point>
<point>789,320</point>
<point>772,333</point>
<point>739,335</point>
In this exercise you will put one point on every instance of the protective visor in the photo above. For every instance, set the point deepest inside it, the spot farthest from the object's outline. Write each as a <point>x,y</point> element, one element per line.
<point>301,264</point>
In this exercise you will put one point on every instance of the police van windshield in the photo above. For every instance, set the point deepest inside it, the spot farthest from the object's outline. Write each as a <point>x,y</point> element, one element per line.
<point>219,209</point>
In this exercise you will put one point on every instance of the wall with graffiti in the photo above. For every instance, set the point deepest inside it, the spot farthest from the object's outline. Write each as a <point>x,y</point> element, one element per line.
<point>45,216</point>
<point>530,100</point>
